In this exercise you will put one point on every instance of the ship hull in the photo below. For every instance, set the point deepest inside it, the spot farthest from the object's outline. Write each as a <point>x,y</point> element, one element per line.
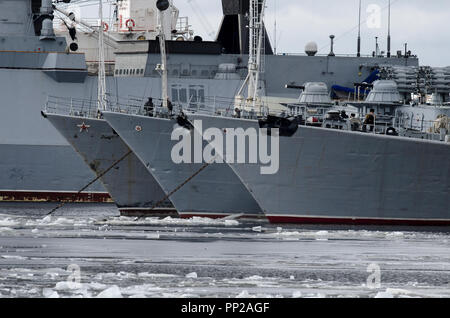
<point>338,177</point>
<point>203,190</point>
<point>131,186</point>
<point>48,173</point>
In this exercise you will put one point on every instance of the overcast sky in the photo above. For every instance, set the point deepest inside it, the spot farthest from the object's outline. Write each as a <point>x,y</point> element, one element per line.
<point>423,24</point>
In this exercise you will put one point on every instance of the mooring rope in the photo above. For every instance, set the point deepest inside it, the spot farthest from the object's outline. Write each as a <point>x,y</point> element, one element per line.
<point>92,182</point>
<point>157,204</point>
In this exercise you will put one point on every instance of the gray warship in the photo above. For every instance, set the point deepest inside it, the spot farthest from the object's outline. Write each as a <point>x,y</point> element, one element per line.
<point>322,175</point>
<point>132,187</point>
<point>38,164</point>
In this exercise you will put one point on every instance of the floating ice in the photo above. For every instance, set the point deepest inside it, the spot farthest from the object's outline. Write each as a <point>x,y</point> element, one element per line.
<point>122,220</point>
<point>254,277</point>
<point>5,229</point>
<point>49,293</point>
<point>97,286</point>
<point>47,219</point>
<point>297,294</point>
<point>8,222</point>
<point>192,275</point>
<point>149,275</point>
<point>68,286</point>
<point>244,294</point>
<point>384,295</point>
<point>14,257</point>
<point>112,292</point>
<point>231,223</point>
<point>257,229</point>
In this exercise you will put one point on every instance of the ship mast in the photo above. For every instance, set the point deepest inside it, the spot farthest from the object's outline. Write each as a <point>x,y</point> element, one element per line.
<point>256,30</point>
<point>162,6</point>
<point>101,62</point>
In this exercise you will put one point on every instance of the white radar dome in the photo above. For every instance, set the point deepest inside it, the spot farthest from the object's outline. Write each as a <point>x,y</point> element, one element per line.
<point>311,48</point>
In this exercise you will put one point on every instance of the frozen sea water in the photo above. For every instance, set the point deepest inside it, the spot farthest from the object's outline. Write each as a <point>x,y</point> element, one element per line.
<point>90,251</point>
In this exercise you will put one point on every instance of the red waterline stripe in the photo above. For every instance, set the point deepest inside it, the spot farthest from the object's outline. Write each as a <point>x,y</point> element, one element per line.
<point>351,221</point>
<point>221,216</point>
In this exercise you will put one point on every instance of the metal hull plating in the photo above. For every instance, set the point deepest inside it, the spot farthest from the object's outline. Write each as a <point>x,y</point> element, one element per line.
<point>131,186</point>
<point>215,192</point>
<point>328,176</point>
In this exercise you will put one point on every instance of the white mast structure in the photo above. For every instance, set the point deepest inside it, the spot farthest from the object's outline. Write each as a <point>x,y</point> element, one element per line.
<point>101,63</point>
<point>162,6</point>
<point>256,30</point>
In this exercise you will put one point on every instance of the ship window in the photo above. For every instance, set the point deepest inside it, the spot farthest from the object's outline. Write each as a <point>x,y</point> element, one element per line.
<point>183,95</point>
<point>175,98</point>
<point>175,72</point>
<point>192,95</point>
<point>197,96</point>
<point>120,72</point>
<point>194,73</point>
<point>132,71</point>
<point>205,73</point>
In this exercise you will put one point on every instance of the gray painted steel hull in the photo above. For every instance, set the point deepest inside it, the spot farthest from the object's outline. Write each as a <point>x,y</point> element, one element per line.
<point>329,176</point>
<point>131,186</point>
<point>45,173</point>
<point>215,192</point>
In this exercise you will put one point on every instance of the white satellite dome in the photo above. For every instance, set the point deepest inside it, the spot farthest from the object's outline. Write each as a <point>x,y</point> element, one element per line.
<point>384,91</point>
<point>315,93</point>
<point>311,48</point>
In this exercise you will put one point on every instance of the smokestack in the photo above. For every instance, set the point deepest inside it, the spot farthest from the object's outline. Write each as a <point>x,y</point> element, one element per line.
<point>359,31</point>
<point>389,31</point>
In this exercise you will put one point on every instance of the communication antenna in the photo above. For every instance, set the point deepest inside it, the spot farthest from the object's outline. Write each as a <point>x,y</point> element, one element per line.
<point>389,31</point>
<point>359,31</point>
<point>275,30</point>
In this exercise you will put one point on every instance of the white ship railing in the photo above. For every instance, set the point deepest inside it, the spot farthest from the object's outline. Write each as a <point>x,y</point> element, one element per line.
<point>229,107</point>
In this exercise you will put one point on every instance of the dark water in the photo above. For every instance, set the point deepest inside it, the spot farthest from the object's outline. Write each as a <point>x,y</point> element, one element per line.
<point>89,251</point>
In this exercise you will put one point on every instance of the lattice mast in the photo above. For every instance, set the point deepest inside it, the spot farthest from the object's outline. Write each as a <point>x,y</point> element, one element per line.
<point>162,6</point>
<point>101,62</point>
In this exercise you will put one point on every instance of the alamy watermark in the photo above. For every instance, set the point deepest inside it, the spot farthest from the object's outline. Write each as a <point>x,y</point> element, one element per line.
<point>373,16</point>
<point>374,279</point>
<point>229,145</point>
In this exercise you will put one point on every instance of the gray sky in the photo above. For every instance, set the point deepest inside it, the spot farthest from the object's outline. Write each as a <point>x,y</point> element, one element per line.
<point>423,24</point>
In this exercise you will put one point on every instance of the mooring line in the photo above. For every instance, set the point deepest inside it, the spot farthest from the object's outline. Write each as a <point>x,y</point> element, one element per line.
<point>156,205</point>
<point>93,181</point>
